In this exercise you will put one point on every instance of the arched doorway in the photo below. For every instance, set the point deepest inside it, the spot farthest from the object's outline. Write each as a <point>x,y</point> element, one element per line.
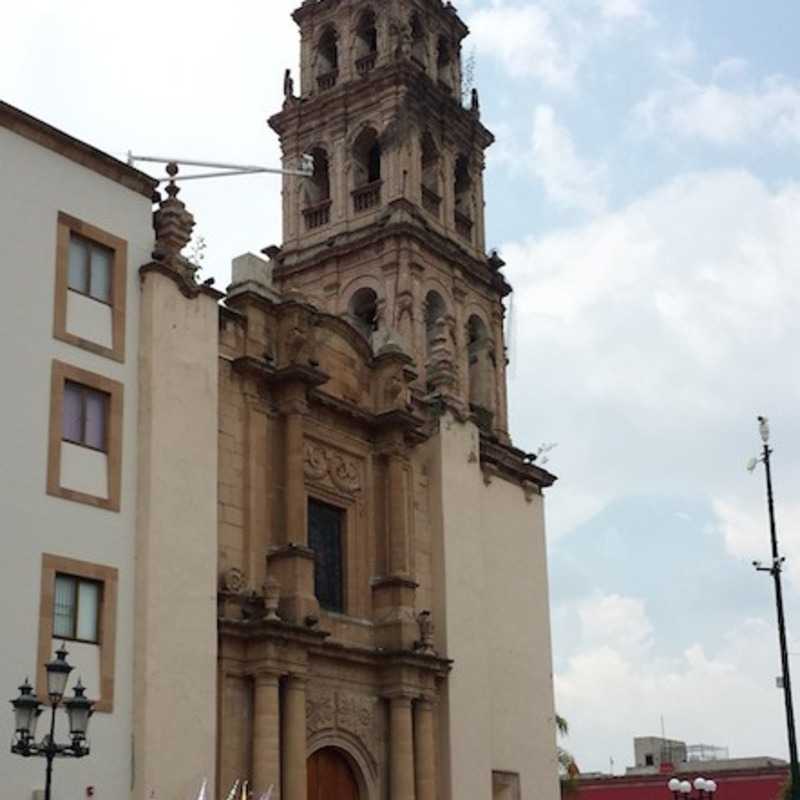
<point>330,776</point>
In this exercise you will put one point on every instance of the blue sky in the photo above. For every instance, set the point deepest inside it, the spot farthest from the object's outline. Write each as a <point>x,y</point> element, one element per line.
<point>644,190</point>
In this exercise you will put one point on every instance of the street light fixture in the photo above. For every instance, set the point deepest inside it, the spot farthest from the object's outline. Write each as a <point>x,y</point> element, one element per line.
<point>681,790</point>
<point>776,569</point>
<point>27,710</point>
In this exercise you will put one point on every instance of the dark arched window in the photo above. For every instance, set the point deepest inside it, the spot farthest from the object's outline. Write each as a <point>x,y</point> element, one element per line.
<point>366,43</point>
<point>419,47</point>
<point>481,366</point>
<point>366,170</point>
<point>364,309</point>
<point>443,62</point>
<point>317,191</point>
<point>328,59</point>
<point>463,195</point>
<point>435,310</point>
<point>431,198</point>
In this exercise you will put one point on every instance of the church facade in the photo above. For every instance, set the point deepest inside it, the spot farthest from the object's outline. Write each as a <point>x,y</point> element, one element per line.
<point>383,614</point>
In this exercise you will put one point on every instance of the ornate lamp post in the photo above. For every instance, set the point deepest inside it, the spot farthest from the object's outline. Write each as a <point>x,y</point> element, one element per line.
<point>775,569</point>
<point>27,710</point>
<point>681,790</point>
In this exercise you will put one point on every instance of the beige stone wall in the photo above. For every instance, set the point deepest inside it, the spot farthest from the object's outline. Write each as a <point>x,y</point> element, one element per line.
<point>176,547</point>
<point>492,614</point>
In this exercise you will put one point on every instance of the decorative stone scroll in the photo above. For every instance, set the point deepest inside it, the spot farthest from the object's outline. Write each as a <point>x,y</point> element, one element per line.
<point>321,463</point>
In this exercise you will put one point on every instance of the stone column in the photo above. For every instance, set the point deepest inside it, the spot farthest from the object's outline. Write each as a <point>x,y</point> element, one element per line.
<point>266,735</point>
<point>295,776</point>
<point>398,550</point>
<point>425,750</point>
<point>401,745</point>
<point>295,513</point>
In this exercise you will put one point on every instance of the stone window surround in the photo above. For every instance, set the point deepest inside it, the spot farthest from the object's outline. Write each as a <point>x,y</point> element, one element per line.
<point>61,373</point>
<point>109,578</point>
<point>507,780</point>
<point>119,247</point>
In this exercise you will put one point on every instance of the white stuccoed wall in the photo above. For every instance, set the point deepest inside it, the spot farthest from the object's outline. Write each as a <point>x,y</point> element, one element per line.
<point>493,620</point>
<point>35,184</point>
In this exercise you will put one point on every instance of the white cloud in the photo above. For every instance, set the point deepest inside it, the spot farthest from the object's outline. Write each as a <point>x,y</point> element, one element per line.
<point>745,527</point>
<point>529,42</point>
<point>622,9</point>
<point>614,687</point>
<point>550,40</point>
<point>614,620</point>
<point>567,178</point>
<point>730,68</point>
<point>724,116</point>
<point>653,336</point>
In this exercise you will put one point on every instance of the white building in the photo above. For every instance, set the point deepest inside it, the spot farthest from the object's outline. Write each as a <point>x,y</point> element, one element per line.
<point>75,226</point>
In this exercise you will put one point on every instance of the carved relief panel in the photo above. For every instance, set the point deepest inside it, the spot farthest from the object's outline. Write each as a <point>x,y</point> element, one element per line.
<point>349,713</point>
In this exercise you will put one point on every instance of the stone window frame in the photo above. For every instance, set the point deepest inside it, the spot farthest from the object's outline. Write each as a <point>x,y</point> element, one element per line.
<point>108,577</point>
<point>66,226</point>
<point>61,373</point>
<point>504,780</point>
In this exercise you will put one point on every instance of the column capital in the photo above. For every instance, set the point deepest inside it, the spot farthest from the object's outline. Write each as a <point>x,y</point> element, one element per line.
<point>267,677</point>
<point>297,681</point>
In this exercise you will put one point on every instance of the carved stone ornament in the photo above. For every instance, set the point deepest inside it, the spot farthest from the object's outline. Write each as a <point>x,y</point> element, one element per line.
<point>272,599</point>
<point>233,581</point>
<point>329,709</point>
<point>426,631</point>
<point>320,709</point>
<point>321,463</point>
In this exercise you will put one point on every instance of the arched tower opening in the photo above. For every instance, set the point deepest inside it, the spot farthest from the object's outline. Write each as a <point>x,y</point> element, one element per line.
<point>435,309</point>
<point>431,194</point>
<point>481,369</point>
<point>462,186</point>
<point>317,191</point>
<point>327,58</point>
<point>367,166</point>
<point>444,61</point>
<point>366,50</point>
<point>363,308</point>
<point>419,44</point>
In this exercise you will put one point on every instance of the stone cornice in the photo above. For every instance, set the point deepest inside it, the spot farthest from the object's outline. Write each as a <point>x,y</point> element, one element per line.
<point>292,262</point>
<point>513,464</point>
<point>187,286</point>
<point>423,97</point>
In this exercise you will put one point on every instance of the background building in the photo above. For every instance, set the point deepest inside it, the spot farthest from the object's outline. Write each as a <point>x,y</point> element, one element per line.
<point>659,759</point>
<point>75,225</point>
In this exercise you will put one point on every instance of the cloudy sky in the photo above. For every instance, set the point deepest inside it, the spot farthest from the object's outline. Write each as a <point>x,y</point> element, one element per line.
<point>645,191</point>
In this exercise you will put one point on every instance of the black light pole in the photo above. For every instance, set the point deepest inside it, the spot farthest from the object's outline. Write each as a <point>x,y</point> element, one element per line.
<point>776,569</point>
<point>27,710</point>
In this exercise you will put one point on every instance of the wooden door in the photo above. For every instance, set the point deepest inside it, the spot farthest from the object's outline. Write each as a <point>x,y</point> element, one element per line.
<point>330,777</point>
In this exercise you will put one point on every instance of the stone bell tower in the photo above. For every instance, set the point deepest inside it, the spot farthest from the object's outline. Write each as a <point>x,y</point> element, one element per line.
<point>390,228</point>
<point>382,608</point>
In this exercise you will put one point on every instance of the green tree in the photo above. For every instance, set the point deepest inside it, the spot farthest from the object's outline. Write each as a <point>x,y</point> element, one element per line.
<point>567,767</point>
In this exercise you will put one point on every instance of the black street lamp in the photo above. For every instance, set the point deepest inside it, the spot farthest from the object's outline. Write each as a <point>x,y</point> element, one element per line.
<point>682,790</point>
<point>776,569</point>
<point>27,710</point>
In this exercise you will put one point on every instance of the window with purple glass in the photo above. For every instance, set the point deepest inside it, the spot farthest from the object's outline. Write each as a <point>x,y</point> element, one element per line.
<point>85,416</point>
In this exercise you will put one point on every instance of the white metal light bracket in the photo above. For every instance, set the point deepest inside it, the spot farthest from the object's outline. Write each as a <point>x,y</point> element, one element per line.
<point>305,169</point>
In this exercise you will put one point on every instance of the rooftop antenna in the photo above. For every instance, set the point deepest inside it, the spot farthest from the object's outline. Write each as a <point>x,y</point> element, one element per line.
<point>303,169</point>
